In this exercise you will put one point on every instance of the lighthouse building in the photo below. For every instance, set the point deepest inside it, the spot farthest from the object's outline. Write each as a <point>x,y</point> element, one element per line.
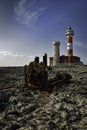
<point>70,58</point>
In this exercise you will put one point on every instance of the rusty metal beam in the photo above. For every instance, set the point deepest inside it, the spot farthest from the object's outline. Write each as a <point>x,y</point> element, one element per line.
<point>64,78</point>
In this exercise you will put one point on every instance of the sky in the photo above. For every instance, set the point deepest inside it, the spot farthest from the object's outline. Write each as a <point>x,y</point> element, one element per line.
<point>29,27</point>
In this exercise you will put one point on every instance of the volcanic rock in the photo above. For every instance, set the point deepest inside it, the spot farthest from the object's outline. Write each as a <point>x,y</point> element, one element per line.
<point>25,109</point>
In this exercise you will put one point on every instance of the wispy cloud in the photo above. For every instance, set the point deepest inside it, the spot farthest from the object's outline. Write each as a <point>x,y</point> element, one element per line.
<point>31,57</point>
<point>84,60</point>
<point>5,53</point>
<point>28,11</point>
<point>7,58</point>
<point>8,53</point>
<point>80,44</point>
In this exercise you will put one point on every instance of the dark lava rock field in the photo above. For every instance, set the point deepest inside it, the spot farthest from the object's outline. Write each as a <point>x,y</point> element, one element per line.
<point>63,109</point>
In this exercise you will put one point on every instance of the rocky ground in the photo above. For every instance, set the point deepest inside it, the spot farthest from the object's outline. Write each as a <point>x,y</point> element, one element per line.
<point>62,109</point>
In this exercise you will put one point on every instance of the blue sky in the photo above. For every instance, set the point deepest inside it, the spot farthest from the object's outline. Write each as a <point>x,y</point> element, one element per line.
<point>28,28</point>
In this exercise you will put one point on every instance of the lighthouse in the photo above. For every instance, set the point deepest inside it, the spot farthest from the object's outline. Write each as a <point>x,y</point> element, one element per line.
<point>56,50</point>
<point>69,34</point>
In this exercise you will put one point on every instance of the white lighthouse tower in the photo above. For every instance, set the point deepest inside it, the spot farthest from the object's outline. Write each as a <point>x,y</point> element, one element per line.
<point>56,50</point>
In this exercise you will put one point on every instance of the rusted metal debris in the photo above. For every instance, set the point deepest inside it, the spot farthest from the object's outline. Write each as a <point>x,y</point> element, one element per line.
<point>59,79</point>
<point>36,76</point>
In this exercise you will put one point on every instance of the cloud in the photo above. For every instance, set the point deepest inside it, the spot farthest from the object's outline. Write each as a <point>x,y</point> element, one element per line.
<point>7,58</point>
<point>80,44</point>
<point>5,53</point>
<point>28,11</point>
<point>84,60</point>
<point>30,57</point>
<point>8,53</point>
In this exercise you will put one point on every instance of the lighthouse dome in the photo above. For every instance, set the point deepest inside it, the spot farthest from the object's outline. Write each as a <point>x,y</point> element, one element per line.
<point>69,32</point>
